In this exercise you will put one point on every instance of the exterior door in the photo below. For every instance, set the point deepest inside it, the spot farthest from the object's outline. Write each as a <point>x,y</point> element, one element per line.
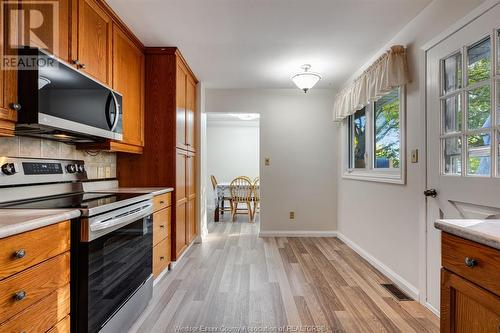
<point>463,90</point>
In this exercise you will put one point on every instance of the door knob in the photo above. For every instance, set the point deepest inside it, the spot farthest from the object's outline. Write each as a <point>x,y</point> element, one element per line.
<point>431,193</point>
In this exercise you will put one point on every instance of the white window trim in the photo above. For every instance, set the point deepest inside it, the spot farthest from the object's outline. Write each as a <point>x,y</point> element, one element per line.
<point>392,176</point>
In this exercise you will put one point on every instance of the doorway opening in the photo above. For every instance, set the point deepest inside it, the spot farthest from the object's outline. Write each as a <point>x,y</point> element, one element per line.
<point>233,168</point>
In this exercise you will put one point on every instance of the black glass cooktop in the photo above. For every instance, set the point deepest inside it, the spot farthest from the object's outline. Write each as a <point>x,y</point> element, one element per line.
<point>86,200</point>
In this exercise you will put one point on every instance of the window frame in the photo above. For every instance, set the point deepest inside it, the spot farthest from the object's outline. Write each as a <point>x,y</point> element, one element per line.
<point>370,173</point>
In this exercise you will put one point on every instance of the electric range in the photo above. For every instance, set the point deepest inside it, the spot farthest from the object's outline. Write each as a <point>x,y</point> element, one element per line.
<point>111,243</point>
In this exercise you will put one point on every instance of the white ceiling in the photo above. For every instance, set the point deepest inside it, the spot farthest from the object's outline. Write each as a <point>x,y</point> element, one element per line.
<point>261,43</point>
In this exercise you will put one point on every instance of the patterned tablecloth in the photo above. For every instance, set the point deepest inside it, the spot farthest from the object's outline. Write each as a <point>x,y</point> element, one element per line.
<point>223,191</point>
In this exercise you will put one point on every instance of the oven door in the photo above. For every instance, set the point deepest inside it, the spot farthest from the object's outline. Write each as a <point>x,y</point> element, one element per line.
<point>112,268</point>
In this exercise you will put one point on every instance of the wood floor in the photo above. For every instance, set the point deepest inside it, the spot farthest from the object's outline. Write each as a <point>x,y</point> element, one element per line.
<point>237,280</point>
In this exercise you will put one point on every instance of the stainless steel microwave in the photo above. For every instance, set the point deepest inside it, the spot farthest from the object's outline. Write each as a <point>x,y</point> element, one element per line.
<point>59,102</point>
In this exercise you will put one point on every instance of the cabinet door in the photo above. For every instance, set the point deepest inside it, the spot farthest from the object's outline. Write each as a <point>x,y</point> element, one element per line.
<point>180,175</point>
<point>8,82</point>
<point>180,87</point>
<point>190,113</point>
<point>466,307</point>
<point>60,44</point>
<point>180,228</point>
<point>191,196</point>
<point>128,73</point>
<point>95,29</point>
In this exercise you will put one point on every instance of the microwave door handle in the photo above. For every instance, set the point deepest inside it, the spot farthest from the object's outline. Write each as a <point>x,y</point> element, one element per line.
<point>127,218</point>
<point>117,112</point>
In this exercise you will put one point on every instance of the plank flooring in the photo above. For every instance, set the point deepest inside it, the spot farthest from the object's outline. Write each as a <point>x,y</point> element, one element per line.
<point>235,280</point>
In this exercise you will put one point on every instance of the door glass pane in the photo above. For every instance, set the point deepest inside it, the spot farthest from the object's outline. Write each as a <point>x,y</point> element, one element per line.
<point>452,114</point>
<point>479,107</point>
<point>453,156</point>
<point>359,138</point>
<point>387,131</point>
<point>478,61</point>
<point>479,154</point>
<point>452,68</point>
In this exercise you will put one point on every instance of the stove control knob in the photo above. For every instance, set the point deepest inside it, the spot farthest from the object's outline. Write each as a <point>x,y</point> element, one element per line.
<point>71,168</point>
<point>9,169</point>
<point>80,168</point>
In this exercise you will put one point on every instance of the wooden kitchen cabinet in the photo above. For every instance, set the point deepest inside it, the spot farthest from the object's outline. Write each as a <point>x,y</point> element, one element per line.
<point>162,217</point>
<point>470,286</point>
<point>92,46</point>
<point>8,85</point>
<point>169,159</point>
<point>36,269</point>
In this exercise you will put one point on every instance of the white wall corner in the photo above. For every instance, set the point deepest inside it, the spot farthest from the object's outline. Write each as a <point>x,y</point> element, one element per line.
<point>406,286</point>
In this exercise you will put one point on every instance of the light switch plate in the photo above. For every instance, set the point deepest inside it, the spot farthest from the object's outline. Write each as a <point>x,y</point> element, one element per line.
<point>292,215</point>
<point>267,161</point>
<point>414,156</point>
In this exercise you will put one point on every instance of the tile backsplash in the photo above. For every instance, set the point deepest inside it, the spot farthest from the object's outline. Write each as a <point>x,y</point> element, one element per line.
<point>102,165</point>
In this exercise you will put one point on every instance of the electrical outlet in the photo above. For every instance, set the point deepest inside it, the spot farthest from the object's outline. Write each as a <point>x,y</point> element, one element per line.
<point>292,215</point>
<point>414,156</point>
<point>267,161</point>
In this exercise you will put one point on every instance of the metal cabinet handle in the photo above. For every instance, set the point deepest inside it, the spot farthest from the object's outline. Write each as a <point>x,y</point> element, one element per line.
<point>15,106</point>
<point>20,295</point>
<point>19,254</point>
<point>431,193</point>
<point>162,226</point>
<point>162,202</point>
<point>470,262</point>
<point>162,258</point>
<point>76,62</point>
<point>82,66</point>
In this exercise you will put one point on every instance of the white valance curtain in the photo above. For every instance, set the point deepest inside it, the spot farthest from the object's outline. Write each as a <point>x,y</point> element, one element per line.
<point>388,72</point>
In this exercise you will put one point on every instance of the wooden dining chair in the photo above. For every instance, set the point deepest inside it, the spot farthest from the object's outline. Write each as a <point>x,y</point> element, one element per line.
<point>222,207</point>
<point>241,190</point>
<point>256,196</point>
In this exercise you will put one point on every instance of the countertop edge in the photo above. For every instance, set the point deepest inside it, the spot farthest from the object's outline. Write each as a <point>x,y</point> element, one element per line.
<point>37,223</point>
<point>472,235</point>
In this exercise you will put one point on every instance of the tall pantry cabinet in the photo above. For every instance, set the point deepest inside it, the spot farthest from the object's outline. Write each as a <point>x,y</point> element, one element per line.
<point>169,157</point>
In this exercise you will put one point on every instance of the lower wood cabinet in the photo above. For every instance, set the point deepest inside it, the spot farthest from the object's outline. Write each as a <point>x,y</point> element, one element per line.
<point>162,217</point>
<point>35,280</point>
<point>470,286</point>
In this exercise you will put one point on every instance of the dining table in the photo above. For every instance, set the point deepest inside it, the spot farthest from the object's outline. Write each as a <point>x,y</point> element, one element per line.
<point>222,193</point>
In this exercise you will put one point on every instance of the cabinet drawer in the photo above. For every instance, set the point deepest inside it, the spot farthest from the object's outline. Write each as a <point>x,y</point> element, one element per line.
<point>161,225</point>
<point>161,256</point>
<point>51,311</point>
<point>64,326</point>
<point>484,271</point>
<point>162,201</point>
<point>32,285</point>
<point>21,251</point>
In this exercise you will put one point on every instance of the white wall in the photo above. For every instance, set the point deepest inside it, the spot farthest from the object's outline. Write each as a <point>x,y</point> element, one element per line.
<point>232,151</point>
<point>385,220</point>
<point>297,134</point>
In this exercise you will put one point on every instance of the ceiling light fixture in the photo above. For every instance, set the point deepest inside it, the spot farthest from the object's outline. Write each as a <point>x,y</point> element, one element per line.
<point>306,80</point>
<point>245,116</point>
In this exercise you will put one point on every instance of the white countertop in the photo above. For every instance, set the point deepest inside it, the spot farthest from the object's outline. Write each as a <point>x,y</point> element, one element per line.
<point>16,221</point>
<point>486,232</point>
<point>152,190</point>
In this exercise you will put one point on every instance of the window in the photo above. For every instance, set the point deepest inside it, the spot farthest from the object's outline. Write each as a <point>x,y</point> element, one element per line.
<point>469,94</point>
<point>375,140</point>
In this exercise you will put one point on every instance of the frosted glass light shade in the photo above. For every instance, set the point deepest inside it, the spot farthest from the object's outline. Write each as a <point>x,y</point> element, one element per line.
<point>306,80</point>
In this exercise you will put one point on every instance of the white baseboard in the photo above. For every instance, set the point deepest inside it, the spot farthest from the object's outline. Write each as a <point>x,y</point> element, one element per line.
<point>431,308</point>
<point>407,287</point>
<point>291,233</point>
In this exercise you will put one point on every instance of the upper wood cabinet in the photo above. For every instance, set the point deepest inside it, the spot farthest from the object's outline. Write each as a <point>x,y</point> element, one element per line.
<point>128,79</point>
<point>8,84</point>
<point>186,106</point>
<point>94,41</point>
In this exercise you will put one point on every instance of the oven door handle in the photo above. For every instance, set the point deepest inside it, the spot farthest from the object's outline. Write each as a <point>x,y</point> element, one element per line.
<point>124,218</point>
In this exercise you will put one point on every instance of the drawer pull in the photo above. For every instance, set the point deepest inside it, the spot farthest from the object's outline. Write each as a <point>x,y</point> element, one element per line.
<point>162,202</point>
<point>20,295</point>
<point>20,254</point>
<point>162,258</point>
<point>162,226</point>
<point>469,262</point>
